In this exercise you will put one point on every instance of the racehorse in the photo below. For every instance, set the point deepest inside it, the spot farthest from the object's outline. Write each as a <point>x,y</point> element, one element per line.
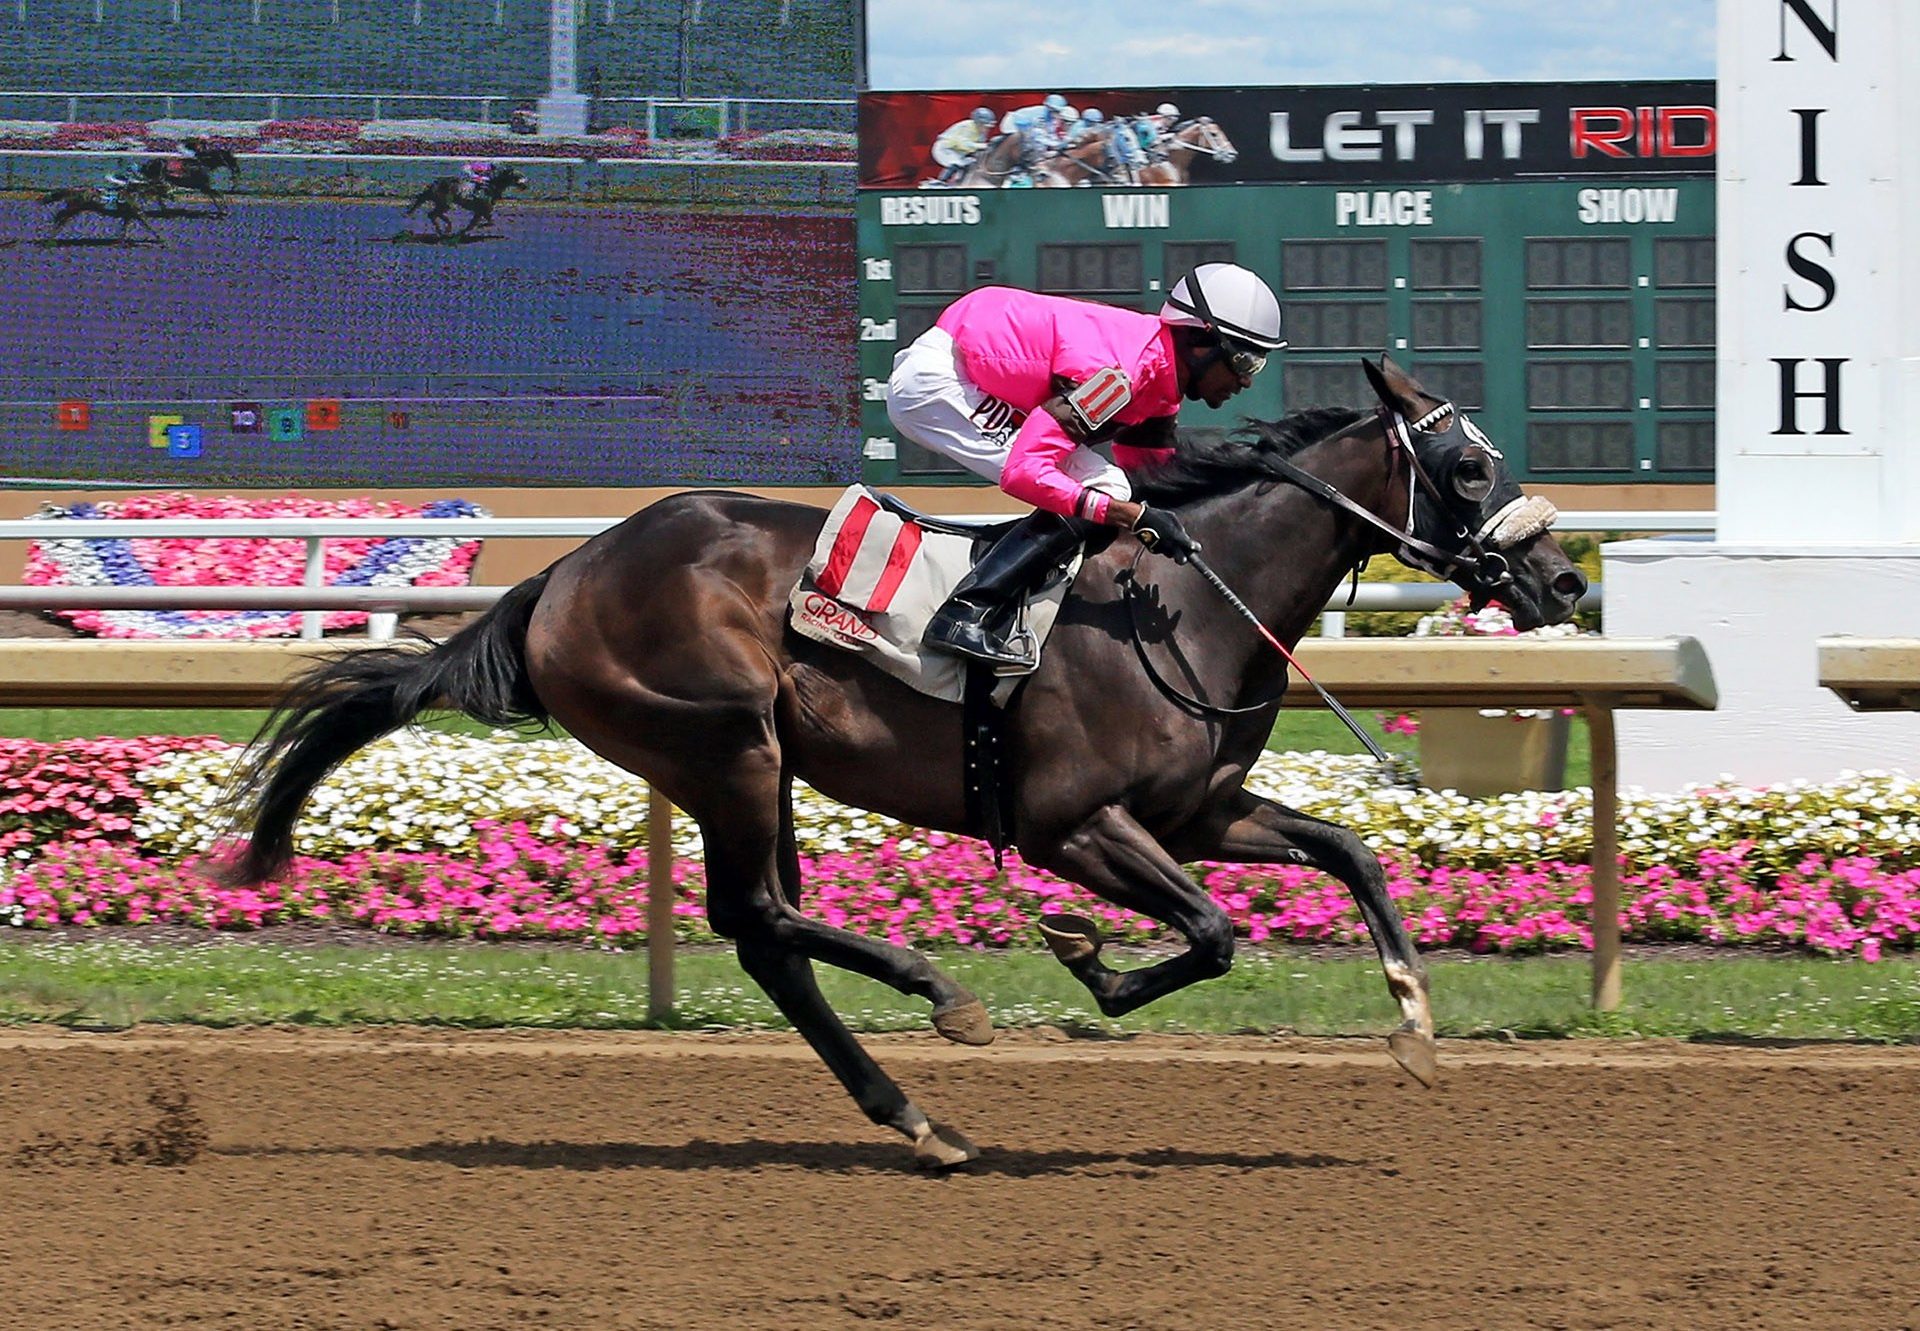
<point>123,205</point>
<point>171,173</point>
<point>446,191</point>
<point>999,163</point>
<point>663,645</point>
<point>1198,137</point>
<point>1092,161</point>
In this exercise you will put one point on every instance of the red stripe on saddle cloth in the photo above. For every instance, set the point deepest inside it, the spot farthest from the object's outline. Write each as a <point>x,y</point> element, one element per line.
<point>852,532</point>
<point>905,546</point>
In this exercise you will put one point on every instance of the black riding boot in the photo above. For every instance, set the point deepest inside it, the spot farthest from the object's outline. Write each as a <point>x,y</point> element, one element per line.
<point>978,618</point>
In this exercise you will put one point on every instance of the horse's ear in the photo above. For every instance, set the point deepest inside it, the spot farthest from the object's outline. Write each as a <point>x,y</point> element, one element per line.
<point>1399,390</point>
<point>1382,377</point>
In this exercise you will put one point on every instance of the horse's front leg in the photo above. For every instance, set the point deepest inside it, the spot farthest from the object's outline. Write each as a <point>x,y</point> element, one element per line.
<point>1114,857</point>
<point>1253,830</point>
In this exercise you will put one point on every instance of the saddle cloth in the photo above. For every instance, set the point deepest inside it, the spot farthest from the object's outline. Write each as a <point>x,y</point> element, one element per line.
<point>876,579</point>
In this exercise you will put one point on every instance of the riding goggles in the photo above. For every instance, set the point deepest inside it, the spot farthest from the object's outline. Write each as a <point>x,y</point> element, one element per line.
<point>1243,358</point>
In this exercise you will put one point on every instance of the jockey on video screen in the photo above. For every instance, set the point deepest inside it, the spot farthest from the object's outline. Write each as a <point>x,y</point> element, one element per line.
<point>962,142</point>
<point>1015,386</point>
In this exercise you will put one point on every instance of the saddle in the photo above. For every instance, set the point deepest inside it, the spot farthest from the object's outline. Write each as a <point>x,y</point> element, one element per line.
<point>878,573</point>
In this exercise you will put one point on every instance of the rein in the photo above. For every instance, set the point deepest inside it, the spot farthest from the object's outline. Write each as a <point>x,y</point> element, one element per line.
<point>1130,591</point>
<point>1488,566</point>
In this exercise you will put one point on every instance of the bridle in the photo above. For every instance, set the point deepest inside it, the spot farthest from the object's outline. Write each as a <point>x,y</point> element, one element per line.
<point>1478,562</point>
<point>1486,569</point>
<point>1213,141</point>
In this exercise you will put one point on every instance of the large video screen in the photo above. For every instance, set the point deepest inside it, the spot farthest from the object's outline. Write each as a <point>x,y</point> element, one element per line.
<point>418,242</point>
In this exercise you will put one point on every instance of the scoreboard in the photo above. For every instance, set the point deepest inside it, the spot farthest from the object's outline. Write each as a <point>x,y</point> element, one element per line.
<point>1572,312</point>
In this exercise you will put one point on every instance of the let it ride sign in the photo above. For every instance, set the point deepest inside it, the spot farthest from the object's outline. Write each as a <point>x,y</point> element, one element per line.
<point>1819,271</point>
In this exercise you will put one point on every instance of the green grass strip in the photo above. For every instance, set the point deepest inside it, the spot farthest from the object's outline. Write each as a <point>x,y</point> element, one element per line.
<point>1295,730</point>
<point>114,983</point>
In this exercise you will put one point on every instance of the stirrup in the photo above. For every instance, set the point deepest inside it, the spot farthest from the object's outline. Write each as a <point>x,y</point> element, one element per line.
<point>974,641</point>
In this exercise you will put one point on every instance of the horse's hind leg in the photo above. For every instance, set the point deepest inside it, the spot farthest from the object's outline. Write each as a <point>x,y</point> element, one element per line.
<point>788,979</point>
<point>744,903</point>
<point>957,1014</point>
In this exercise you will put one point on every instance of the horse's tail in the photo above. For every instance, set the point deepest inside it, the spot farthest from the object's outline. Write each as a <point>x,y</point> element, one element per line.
<point>59,195</point>
<point>422,197</point>
<point>342,705</point>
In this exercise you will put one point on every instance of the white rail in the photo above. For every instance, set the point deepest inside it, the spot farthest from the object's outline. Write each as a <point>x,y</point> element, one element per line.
<point>384,603</point>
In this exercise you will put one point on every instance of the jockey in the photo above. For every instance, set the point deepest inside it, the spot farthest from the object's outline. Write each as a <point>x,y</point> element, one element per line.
<point>961,142</point>
<point>1092,121</point>
<point>476,174</point>
<point>1151,129</point>
<point>1015,387</point>
<point>1044,127</point>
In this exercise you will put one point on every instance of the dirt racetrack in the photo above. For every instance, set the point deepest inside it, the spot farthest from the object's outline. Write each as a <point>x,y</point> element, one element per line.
<point>291,1179</point>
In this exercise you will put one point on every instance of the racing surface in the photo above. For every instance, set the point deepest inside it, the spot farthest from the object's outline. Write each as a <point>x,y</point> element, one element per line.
<point>508,1180</point>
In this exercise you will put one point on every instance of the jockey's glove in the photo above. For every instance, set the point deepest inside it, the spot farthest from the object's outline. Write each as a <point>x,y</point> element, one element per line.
<point>1161,532</point>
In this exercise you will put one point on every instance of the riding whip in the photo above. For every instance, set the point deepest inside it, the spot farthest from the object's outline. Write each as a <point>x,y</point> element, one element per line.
<point>1333,704</point>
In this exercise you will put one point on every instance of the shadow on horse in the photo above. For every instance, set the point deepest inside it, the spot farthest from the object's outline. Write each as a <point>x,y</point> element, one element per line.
<point>167,174</point>
<point>663,645</point>
<point>447,191</point>
<point>123,205</point>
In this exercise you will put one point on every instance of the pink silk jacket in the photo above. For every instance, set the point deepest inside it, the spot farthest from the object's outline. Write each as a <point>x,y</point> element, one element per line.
<point>1012,343</point>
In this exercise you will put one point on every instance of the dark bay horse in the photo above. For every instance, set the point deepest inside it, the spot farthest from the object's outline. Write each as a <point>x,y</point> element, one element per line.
<point>170,173</point>
<point>663,645</point>
<point>448,191</point>
<point>122,205</point>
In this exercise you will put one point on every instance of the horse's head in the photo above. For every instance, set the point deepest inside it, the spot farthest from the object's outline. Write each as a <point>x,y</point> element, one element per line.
<point>1466,503</point>
<point>1206,136</point>
<point>504,178</point>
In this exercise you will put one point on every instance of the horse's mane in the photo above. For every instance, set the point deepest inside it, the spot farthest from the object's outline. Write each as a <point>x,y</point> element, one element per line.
<point>1210,462</point>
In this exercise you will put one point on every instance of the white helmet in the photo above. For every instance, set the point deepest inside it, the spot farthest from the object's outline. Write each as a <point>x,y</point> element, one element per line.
<point>1055,102</point>
<point>1167,109</point>
<point>1229,300</point>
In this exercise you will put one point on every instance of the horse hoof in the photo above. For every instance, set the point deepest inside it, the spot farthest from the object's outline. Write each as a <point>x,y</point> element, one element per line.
<point>1074,939</point>
<point>942,1148</point>
<point>964,1022</point>
<point>1416,1053</point>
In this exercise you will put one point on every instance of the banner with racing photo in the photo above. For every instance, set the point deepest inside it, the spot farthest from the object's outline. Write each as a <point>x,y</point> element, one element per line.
<point>1226,136</point>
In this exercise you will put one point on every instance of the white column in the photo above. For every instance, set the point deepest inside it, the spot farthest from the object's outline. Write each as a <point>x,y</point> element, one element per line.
<point>1818,323</point>
<point>563,110</point>
<point>1817,437</point>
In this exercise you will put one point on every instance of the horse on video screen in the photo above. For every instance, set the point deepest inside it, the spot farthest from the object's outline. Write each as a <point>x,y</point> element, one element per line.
<point>1000,163</point>
<point>122,205</point>
<point>1093,160</point>
<point>167,174</point>
<point>448,192</point>
<point>664,645</point>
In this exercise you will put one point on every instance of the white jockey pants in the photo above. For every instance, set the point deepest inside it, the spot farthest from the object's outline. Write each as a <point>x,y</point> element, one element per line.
<point>932,402</point>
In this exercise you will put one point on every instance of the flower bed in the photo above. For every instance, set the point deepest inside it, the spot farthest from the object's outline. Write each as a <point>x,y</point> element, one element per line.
<point>502,838</point>
<point>249,562</point>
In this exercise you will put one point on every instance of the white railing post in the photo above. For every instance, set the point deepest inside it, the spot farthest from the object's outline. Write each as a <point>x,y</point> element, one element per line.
<point>1333,624</point>
<point>316,576</point>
